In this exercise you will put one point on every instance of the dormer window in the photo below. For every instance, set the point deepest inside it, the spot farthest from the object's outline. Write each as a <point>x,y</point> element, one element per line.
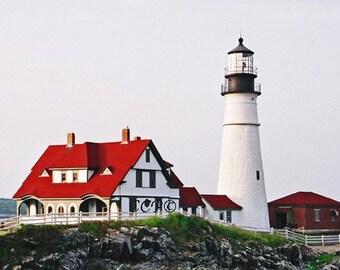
<point>107,171</point>
<point>72,175</point>
<point>44,173</point>
<point>75,176</point>
<point>63,177</point>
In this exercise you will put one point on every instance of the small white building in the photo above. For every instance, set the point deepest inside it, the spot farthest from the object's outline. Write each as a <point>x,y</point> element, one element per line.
<point>220,208</point>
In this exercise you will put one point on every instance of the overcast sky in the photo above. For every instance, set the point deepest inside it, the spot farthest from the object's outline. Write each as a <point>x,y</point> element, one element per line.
<point>95,67</point>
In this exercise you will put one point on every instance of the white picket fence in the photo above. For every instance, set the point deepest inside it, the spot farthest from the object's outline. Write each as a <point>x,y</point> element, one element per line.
<point>72,218</point>
<point>309,240</point>
<point>76,218</point>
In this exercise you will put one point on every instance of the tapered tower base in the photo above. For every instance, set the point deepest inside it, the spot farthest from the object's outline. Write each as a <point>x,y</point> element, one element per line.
<point>241,175</point>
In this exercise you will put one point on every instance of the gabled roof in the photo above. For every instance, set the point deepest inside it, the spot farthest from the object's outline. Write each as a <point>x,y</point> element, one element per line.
<point>175,182</point>
<point>304,198</point>
<point>220,202</point>
<point>95,156</point>
<point>189,197</point>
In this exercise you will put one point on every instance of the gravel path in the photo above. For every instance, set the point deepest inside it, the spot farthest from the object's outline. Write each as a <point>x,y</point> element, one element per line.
<point>327,249</point>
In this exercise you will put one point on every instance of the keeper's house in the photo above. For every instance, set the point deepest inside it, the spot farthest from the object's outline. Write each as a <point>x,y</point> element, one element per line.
<point>306,210</point>
<point>110,178</point>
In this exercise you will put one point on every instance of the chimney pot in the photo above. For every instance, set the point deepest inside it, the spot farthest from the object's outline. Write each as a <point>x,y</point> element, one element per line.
<point>70,139</point>
<point>137,138</point>
<point>126,135</point>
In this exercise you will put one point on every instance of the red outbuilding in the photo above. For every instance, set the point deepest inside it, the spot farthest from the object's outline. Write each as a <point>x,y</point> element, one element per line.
<point>306,210</point>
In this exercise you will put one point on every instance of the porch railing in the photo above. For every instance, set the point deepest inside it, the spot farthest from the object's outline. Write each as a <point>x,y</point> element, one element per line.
<point>73,218</point>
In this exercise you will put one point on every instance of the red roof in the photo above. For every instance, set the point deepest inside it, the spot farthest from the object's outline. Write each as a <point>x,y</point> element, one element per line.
<point>220,202</point>
<point>175,182</point>
<point>189,197</point>
<point>96,156</point>
<point>304,198</point>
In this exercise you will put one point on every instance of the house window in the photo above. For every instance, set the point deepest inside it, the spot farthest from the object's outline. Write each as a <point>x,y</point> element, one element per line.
<point>147,155</point>
<point>75,176</point>
<point>158,205</point>
<point>185,209</point>
<point>228,216</point>
<point>148,183</point>
<point>317,215</point>
<point>63,177</point>
<point>194,210</point>
<point>133,205</point>
<point>49,209</point>
<point>139,182</point>
<point>61,210</point>
<point>257,175</point>
<point>152,179</point>
<point>334,213</point>
<point>221,215</point>
<point>72,209</point>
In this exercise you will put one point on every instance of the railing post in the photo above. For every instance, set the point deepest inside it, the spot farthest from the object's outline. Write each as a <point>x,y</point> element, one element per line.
<point>322,239</point>
<point>306,239</point>
<point>339,238</point>
<point>287,236</point>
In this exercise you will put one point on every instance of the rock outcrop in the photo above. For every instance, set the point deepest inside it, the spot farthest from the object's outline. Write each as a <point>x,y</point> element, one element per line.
<point>152,248</point>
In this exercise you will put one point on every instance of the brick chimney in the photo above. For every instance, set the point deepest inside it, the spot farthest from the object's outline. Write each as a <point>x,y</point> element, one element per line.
<point>126,135</point>
<point>70,139</point>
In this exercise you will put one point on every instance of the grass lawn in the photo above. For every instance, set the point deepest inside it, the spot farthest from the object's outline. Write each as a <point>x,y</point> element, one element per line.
<point>3,233</point>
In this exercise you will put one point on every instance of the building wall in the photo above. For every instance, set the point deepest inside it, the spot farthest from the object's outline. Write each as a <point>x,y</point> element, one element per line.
<point>145,198</point>
<point>304,216</point>
<point>299,216</point>
<point>325,218</point>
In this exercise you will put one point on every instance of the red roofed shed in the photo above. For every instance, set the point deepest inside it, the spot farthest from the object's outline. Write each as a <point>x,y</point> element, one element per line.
<point>305,209</point>
<point>221,208</point>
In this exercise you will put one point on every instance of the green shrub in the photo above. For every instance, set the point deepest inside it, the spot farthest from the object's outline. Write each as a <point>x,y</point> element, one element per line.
<point>96,228</point>
<point>185,229</point>
<point>233,232</point>
<point>325,258</point>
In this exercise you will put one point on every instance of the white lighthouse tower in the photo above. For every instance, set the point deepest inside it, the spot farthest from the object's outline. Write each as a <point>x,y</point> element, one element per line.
<point>241,175</point>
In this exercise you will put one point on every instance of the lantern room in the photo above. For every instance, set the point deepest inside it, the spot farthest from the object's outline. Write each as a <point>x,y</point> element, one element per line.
<point>241,60</point>
<point>241,73</point>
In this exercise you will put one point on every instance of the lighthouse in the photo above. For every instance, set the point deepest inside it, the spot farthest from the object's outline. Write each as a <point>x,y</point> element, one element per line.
<point>241,175</point>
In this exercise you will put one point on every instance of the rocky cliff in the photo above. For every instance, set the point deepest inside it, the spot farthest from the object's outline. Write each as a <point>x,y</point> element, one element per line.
<point>140,248</point>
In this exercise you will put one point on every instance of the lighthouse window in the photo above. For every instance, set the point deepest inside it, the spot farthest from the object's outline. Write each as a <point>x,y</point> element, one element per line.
<point>257,175</point>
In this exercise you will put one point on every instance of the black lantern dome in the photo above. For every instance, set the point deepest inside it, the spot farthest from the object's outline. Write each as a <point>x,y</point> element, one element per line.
<point>241,73</point>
